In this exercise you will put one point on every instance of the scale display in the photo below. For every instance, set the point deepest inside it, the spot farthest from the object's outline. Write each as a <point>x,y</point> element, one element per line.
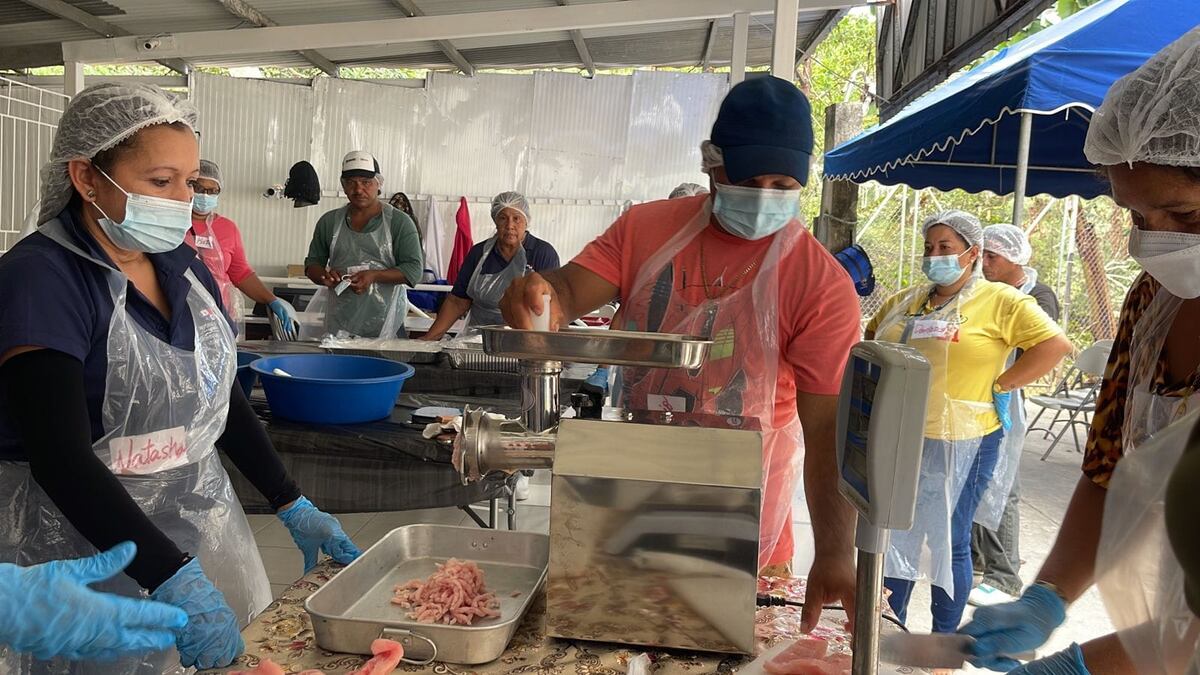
<point>880,431</point>
<point>864,378</point>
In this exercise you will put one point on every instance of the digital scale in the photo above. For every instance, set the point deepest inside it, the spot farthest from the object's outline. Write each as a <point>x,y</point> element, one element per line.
<point>880,435</point>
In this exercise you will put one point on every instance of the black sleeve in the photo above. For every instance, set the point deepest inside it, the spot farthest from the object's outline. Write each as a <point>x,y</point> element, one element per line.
<point>1045,299</point>
<point>45,400</point>
<point>246,442</point>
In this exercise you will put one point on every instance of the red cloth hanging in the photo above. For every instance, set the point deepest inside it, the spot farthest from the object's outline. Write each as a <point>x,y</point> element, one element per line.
<point>462,240</point>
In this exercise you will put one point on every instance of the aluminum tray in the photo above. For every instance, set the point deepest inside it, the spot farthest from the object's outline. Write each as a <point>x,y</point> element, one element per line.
<point>355,607</point>
<point>608,347</point>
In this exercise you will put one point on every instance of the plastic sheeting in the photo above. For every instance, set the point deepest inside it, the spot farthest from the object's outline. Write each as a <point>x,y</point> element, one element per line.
<point>1140,580</point>
<point>580,149</point>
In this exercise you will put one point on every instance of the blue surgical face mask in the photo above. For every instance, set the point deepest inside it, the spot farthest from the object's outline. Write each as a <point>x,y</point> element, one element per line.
<point>942,269</point>
<point>754,213</point>
<point>151,225</point>
<point>205,204</point>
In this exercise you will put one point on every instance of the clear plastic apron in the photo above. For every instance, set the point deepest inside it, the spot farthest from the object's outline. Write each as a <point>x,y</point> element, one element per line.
<point>380,310</point>
<point>486,290</point>
<point>208,247</point>
<point>740,376</point>
<point>1008,462</point>
<point>925,550</point>
<point>163,410</point>
<point>1140,581</point>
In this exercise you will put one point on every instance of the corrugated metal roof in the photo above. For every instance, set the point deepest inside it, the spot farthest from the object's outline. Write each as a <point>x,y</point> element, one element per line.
<point>675,44</point>
<point>21,12</point>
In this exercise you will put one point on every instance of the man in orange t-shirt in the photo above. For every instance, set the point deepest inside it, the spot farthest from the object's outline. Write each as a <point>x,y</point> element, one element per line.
<point>737,266</point>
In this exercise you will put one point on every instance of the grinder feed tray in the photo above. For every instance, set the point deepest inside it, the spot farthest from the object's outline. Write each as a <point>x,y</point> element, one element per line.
<point>355,607</point>
<point>607,347</point>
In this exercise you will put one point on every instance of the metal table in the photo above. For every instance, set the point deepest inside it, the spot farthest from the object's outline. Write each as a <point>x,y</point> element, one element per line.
<point>379,466</point>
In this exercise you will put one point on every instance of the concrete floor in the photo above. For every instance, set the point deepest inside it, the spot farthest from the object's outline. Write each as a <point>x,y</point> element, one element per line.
<point>1046,489</point>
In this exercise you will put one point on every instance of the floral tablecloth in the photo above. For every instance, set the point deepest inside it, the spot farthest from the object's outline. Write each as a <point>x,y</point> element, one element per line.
<point>283,634</point>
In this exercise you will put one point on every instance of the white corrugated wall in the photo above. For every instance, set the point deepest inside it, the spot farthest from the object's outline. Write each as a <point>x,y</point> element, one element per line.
<point>255,130</point>
<point>580,149</point>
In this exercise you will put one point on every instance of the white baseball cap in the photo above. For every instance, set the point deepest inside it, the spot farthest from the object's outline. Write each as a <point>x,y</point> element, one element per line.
<point>360,164</point>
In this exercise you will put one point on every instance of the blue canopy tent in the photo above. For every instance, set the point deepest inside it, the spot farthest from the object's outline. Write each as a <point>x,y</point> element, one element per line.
<point>1017,122</point>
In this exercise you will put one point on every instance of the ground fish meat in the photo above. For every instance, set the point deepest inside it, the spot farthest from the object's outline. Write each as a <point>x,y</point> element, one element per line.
<point>807,656</point>
<point>454,594</point>
<point>387,656</point>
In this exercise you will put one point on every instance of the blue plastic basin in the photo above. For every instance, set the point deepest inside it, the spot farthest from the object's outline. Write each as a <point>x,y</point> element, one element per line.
<point>245,376</point>
<point>331,388</point>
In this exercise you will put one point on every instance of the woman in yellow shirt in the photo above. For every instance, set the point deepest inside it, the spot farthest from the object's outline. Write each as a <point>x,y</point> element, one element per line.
<point>966,327</point>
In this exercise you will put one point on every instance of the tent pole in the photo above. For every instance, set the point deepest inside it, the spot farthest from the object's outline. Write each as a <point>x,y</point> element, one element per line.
<point>1022,168</point>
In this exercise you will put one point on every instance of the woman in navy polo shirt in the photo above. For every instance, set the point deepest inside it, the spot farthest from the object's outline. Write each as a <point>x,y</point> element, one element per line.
<point>490,266</point>
<point>117,381</point>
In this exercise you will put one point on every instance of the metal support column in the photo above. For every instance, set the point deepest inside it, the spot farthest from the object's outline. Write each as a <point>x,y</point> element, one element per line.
<point>741,41</point>
<point>783,46</point>
<point>1022,168</point>
<point>72,78</point>
<point>871,543</point>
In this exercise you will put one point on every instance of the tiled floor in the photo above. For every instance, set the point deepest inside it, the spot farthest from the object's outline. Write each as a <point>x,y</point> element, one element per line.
<point>285,564</point>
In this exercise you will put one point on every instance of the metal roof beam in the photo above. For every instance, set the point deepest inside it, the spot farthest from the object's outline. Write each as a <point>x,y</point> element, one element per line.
<point>95,24</point>
<point>706,57</point>
<point>242,10</point>
<point>464,64</point>
<point>581,46</point>
<point>419,29</point>
<point>181,81</point>
<point>31,56</point>
<point>823,29</point>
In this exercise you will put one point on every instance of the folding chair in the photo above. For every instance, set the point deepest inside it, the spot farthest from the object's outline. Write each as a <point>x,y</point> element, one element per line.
<point>1075,395</point>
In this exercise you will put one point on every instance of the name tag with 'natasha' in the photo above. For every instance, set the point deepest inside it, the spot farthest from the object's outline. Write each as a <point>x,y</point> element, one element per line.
<point>148,453</point>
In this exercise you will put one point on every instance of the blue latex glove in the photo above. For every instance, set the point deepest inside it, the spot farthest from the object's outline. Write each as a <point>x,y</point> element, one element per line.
<point>314,531</point>
<point>1003,403</point>
<point>598,379</point>
<point>211,638</point>
<point>284,323</point>
<point>1014,627</point>
<point>48,610</point>
<point>1067,662</point>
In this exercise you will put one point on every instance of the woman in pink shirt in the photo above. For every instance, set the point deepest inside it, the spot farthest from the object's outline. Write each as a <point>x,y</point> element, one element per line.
<point>219,244</point>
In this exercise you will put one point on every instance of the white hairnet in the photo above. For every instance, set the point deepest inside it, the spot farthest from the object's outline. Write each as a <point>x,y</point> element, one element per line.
<point>1152,114</point>
<point>966,225</point>
<point>211,171</point>
<point>1009,241</point>
<point>510,200</point>
<point>710,156</point>
<point>688,190</point>
<point>97,119</point>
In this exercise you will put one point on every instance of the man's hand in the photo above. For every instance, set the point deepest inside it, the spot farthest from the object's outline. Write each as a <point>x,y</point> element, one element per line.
<point>360,282</point>
<point>321,276</point>
<point>523,300</point>
<point>831,581</point>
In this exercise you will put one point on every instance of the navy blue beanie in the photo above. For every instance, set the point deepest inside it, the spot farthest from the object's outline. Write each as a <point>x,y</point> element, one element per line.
<point>765,127</point>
